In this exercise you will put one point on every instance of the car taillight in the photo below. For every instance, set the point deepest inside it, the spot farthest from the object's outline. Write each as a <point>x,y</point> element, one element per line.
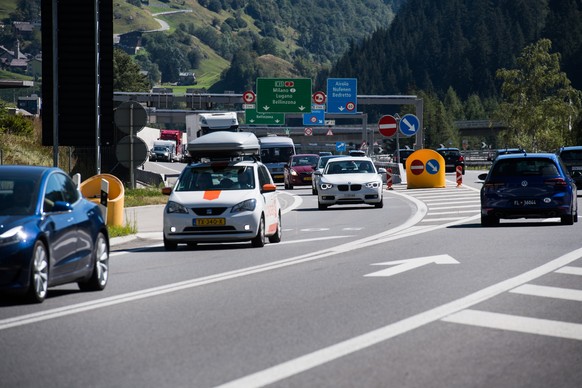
<point>558,183</point>
<point>461,158</point>
<point>493,185</point>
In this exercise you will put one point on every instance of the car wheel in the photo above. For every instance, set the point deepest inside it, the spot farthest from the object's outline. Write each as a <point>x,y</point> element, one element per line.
<point>489,220</point>
<point>321,206</point>
<point>275,238</point>
<point>380,204</point>
<point>313,191</point>
<point>259,240</point>
<point>568,219</point>
<point>170,246</point>
<point>100,275</point>
<point>39,274</point>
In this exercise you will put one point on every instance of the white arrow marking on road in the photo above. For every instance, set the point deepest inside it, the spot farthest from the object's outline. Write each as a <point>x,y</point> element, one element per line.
<point>410,126</point>
<point>432,166</point>
<point>408,264</point>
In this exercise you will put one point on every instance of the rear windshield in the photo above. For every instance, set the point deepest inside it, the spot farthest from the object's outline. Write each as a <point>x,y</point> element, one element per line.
<point>571,156</point>
<point>528,167</point>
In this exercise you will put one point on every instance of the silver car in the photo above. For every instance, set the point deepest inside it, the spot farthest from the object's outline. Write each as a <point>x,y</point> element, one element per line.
<point>348,181</point>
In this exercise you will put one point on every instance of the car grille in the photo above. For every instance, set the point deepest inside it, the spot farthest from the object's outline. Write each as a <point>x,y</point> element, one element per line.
<point>208,211</point>
<point>349,187</point>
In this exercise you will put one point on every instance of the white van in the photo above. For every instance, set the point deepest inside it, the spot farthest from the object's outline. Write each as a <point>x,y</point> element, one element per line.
<point>275,152</point>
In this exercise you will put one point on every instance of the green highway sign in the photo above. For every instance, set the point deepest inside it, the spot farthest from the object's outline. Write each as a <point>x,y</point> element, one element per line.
<point>252,117</point>
<point>284,95</point>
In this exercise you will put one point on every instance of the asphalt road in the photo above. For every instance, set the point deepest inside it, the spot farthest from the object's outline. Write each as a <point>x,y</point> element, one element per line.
<point>416,294</point>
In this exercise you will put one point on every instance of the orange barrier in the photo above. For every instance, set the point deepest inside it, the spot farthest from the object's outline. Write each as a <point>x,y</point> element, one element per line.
<point>389,178</point>
<point>459,170</point>
<point>91,189</point>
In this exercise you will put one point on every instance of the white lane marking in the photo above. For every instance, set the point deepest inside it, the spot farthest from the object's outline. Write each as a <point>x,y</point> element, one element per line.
<point>453,212</point>
<point>517,323</point>
<point>441,219</point>
<point>569,270</point>
<point>549,292</point>
<point>155,291</point>
<point>444,202</point>
<point>352,345</point>
<point>409,264</point>
<point>455,207</point>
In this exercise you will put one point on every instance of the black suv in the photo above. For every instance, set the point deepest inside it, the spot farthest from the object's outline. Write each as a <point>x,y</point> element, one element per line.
<point>572,158</point>
<point>453,158</point>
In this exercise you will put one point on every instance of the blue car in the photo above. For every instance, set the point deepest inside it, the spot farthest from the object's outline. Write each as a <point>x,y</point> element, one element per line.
<point>526,185</point>
<point>49,234</point>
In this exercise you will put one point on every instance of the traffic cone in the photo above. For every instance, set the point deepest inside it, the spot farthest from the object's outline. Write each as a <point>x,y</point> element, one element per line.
<point>459,170</point>
<point>389,178</point>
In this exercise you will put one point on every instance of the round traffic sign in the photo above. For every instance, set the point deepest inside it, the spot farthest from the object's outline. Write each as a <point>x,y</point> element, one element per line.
<point>387,126</point>
<point>130,117</point>
<point>350,106</point>
<point>249,97</point>
<point>131,148</point>
<point>416,167</point>
<point>409,124</point>
<point>319,98</point>
<point>432,166</point>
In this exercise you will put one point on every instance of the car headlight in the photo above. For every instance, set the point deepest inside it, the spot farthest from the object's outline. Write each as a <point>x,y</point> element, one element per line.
<point>248,205</point>
<point>12,236</point>
<point>325,186</point>
<point>293,172</point>
<point>373,185</point>
<point>175,207</point>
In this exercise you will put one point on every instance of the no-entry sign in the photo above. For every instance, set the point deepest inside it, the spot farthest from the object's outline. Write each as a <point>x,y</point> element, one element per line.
<point>387,126</point>
<point>416,167</point>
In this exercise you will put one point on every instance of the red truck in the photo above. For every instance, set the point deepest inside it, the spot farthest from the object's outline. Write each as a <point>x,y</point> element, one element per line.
<point>174,135</point>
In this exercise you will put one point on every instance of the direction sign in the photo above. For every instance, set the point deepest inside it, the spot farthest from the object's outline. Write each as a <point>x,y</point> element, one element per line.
<point>315,118</point>
<point>409,124</point>
<point>342,95</point>
<point>387,126</point>
<point>340,146</point>
<point>252,117</point>
<point>284,95</point>
<point>416,167</point>
<point>432,166</point>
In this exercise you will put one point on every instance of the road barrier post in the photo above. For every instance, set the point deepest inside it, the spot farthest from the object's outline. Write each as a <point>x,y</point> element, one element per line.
<point>459,170</point>
<point>389,178</point>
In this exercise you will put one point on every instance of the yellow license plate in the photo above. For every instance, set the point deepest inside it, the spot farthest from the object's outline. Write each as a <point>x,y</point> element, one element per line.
<point>210,221</point>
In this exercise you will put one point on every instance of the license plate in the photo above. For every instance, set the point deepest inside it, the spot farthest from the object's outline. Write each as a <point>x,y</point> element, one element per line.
<point>278,176</point>
<point>209,221</point>
<point>524,202</point>
<point>308,178</point>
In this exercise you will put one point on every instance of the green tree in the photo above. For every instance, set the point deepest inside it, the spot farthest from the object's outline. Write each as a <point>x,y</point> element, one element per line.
<point>126,74</point>
<point>539,104</point>
<point>474,108</point>
<point>454,105</point>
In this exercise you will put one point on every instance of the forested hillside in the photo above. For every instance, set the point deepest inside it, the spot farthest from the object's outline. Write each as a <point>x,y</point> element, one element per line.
<point>433,45</point>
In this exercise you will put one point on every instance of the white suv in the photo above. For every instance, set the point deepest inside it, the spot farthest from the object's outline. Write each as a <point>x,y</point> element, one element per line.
<point>229,198</point>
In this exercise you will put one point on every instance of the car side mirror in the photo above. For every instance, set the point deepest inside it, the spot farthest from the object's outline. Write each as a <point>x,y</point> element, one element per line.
<point>482,177</point>
<point>166,190</point>
<point>317,172</point>
<point>61,206</point>
<point>268,188</point>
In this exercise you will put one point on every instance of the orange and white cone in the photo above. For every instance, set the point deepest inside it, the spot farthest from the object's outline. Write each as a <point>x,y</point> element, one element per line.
<point>389,178</point>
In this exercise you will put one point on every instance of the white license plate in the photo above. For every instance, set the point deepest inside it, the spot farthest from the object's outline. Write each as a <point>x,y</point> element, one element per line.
<point>524,202</point>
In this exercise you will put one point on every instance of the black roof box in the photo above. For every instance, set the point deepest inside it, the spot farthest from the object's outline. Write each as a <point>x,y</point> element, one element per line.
<point>224,144</point>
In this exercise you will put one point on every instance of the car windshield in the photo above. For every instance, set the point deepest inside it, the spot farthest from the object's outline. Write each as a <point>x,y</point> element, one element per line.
<point>216,177</point>
<point>525,167</point>
<point>449,153</point>
<point>304,161</point>
<point>17,197</point>
<point>350,167</point>
<point>571,156</point>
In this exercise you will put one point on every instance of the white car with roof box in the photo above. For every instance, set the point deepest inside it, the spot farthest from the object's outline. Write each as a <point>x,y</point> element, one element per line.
<point>228,195</point>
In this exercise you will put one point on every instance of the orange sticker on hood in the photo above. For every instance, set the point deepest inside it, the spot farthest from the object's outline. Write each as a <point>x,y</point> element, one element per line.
<point>211,194</point>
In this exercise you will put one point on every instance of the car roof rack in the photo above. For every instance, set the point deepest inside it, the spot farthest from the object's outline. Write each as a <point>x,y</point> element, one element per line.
<point>225,145</point>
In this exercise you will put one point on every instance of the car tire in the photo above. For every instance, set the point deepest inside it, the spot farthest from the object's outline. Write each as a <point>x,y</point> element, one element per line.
<point>39,274</point>
<point>100,274</point>
<point>313,191</point>
<point>170,246</point>
<point>259,240</point>
<point>276,237</point>
<point>380,204</point>
<point>568,219</point>
<point>489,220</point>
<point>321,206</point>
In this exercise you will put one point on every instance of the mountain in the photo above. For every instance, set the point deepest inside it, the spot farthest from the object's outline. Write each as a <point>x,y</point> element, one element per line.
<point>433,45</point>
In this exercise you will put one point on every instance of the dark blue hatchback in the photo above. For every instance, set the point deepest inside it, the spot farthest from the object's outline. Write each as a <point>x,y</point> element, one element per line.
<point>535,185</point>
<point>49,233</point>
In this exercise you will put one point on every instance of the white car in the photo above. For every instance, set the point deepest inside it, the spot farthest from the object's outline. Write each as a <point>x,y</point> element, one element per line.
<point>220,200</point>
<point>348,181</point>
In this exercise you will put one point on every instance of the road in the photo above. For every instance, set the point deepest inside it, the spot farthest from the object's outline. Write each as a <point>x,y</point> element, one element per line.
<point>416,294</point>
